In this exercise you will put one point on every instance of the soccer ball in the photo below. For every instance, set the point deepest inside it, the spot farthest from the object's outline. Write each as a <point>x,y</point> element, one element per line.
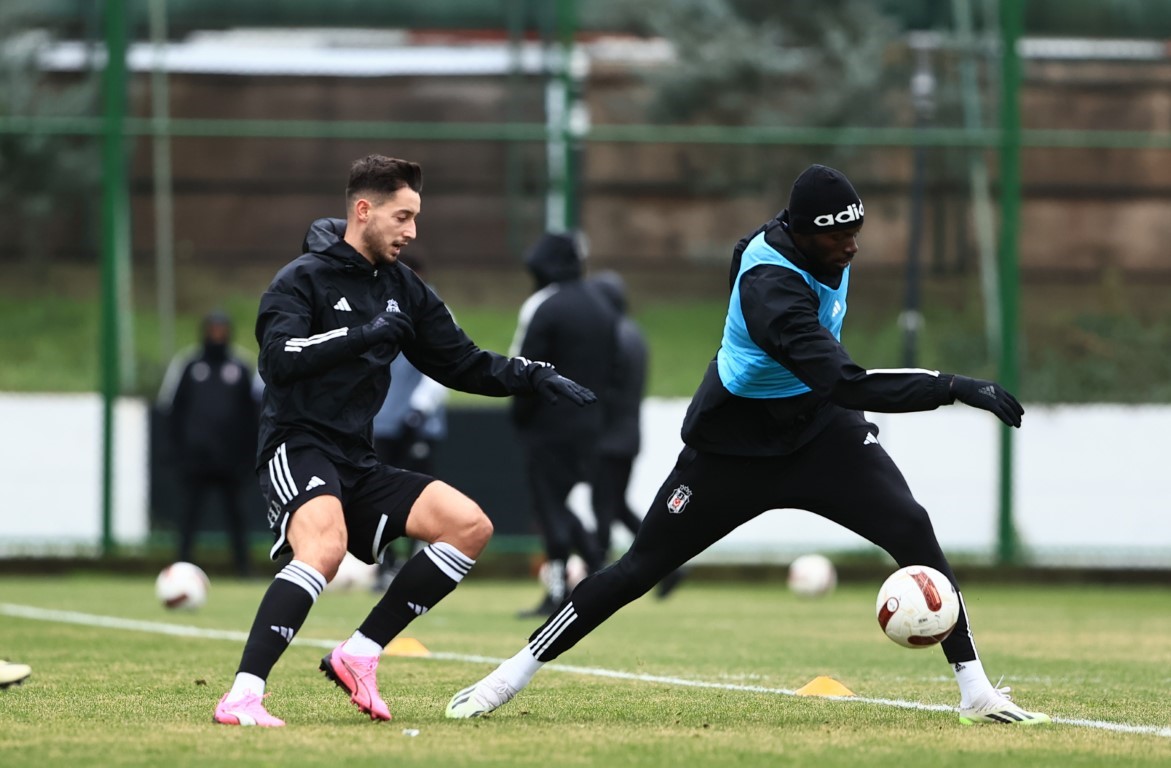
<point>917,607</point>
<point>182,585</point>
<point>812,576</point>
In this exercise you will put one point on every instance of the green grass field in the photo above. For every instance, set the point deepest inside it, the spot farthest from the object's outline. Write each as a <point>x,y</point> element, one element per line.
<point>703,678</point>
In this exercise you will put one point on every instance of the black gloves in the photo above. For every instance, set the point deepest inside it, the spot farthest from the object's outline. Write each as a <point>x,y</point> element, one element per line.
<point>988,396</point>
<point>553,386</point>
<point>387,327</point>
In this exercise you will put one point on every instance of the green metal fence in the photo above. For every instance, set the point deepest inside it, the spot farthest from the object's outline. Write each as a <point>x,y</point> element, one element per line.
<point>114,126</point>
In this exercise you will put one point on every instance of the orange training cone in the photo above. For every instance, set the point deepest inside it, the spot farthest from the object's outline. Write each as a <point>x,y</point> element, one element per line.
<point>824,686</point>
<point>405,646</point>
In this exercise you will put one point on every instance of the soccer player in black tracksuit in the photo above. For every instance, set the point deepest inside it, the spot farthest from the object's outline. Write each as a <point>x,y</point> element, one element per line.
<point>328,327</point>
<point>567,322</point>
<point>778,422</point>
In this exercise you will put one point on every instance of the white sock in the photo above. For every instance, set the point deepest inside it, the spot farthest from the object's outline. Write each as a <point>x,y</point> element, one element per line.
<point>360,645</point>
<point>519,670</point>
<point>245,684</point>
<point>973,681</point>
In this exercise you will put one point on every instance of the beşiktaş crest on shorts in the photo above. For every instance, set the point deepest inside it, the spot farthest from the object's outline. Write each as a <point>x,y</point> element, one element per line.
<point>679,498</point>
<point>274,513</point>
<point>392,306</point>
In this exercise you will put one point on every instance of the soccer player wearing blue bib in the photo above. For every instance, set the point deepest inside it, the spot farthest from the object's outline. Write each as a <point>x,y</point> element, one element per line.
<point>778,422</point>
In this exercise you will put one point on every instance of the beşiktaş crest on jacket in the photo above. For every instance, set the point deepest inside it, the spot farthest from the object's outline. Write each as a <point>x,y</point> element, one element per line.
<point>318,391</point>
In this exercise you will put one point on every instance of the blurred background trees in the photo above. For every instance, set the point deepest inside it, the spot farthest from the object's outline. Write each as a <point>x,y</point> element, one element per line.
<point>41,172</point>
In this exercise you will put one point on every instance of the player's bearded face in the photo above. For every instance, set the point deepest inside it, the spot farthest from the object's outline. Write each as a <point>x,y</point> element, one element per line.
<point>391,226</point>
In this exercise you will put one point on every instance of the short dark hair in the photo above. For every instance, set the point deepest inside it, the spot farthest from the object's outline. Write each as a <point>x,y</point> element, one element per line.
<point>382,175</point>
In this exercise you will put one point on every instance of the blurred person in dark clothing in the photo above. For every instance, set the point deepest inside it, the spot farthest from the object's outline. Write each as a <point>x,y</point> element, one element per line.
<point>570,324</point>
<point>211,424</point>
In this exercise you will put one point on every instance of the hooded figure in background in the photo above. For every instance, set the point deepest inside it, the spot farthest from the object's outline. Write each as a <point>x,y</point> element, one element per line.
<point>211,415</point>
<point>622,408</point>
<point>569,323</point>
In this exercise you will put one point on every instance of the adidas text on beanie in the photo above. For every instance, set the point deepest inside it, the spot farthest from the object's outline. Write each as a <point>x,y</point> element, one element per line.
<point>823,200</point>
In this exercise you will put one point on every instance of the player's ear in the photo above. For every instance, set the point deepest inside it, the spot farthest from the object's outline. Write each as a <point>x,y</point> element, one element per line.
<point>362,209</point>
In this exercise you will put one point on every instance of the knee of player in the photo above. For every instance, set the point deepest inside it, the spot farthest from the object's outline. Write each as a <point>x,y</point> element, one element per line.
<point>641,572</point>
<point>326,566</point>
<point>910,526</point>
<point>444,514</point>
<point>918,521</point>
<point>478,528</point>
<point>325,553</point>
<point>469,529</point>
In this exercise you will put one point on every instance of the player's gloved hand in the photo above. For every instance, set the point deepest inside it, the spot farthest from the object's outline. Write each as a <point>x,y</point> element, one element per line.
<point>553,387</point>
<point>387,327</point>
<point>988,396</point>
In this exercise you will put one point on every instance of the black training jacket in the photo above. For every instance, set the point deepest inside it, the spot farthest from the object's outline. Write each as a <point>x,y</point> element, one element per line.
<point>210,414</point>
<point>780,312</point>
<point>569,323</point>
<point>622,401</point>
<point>322,388</point>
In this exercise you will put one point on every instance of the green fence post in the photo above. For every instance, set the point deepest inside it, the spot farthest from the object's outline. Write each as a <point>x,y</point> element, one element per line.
<point>1012,22</point>
<point>114,243</point>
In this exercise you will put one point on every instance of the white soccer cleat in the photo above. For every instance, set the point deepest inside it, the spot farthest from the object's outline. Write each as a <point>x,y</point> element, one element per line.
<point>485,696</point>
<point>12,673</point>
<point>997,708</point>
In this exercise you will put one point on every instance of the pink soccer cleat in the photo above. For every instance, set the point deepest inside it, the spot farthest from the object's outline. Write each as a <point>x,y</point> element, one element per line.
<point>357,676</point>
<point>246,710</point>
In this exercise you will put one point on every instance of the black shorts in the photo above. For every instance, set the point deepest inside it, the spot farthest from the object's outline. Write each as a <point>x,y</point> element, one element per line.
<point>843,474</point>
<point>375,500</point>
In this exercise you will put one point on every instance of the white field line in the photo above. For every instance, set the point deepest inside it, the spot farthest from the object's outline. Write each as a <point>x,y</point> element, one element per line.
<point>181,630</point>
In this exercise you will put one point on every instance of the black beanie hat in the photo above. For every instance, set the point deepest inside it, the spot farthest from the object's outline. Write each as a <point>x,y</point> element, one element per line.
<point>823,200</point>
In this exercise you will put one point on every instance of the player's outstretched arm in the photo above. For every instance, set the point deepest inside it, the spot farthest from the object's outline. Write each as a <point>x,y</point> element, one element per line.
<point>988,396</point>
<point>446,354</point>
